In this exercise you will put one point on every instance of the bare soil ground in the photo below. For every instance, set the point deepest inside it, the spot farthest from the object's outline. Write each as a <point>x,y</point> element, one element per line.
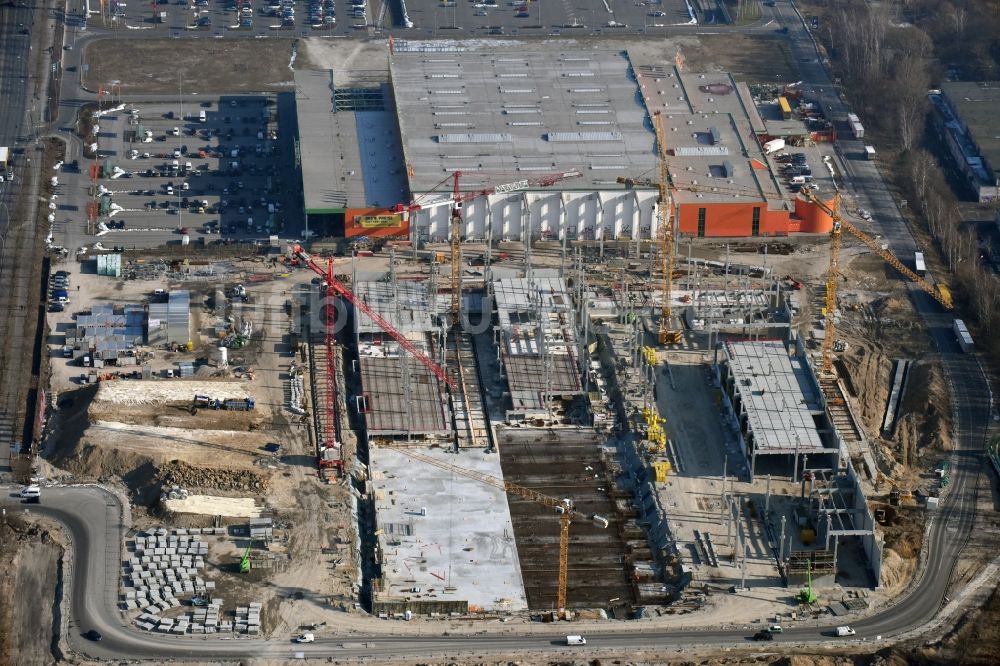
<point>199,66</point>
<point>30,553</point>
<point>750,58</point>
<point>763,59</point>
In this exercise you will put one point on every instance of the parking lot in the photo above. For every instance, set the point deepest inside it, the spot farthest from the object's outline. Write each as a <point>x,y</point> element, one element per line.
<point>343,18</point>
<point>244,18</point>
<point>186,171</point>
<point>521,17</point>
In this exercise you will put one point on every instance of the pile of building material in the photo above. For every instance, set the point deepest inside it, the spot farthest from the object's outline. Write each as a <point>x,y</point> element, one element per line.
<point>161,568</point>
<point>248,618</point>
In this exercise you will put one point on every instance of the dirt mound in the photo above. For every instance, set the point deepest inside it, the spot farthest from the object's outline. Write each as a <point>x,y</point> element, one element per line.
<point>870,376</point>
<point>30,555</point>
<point>807,660</point>
<point>924,424</point>
<point>179,473</point>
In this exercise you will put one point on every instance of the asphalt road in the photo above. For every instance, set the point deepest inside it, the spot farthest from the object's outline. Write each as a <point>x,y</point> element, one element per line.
<point>93,519</point>
<point>971,399</point>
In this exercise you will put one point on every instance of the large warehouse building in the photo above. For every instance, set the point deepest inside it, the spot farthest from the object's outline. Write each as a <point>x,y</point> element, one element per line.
<point>537,142</point>
<point>966,117</point>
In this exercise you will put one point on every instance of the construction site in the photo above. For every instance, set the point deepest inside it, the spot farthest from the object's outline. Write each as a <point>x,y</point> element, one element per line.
<point>493,405</point>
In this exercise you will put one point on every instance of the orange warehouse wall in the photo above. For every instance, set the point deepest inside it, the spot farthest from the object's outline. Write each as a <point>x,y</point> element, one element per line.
<point>734,219</point>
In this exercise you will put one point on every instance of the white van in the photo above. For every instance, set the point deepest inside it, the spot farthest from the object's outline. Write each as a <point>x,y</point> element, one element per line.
<point>33,490</point>
<point>845,631</point>
<point>576,640</point>
<point>202,116</point>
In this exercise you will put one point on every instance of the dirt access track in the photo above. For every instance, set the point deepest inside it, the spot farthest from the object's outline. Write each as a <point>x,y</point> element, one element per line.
<point>205,66</point>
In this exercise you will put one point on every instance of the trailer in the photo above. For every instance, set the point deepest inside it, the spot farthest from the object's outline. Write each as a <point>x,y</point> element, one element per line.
<point>773,146</point>
<point>238,405</point>
<point>962,335</point>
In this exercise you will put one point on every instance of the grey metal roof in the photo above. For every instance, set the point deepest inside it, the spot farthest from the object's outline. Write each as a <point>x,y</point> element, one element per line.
<point>778,396</point>
<point>525,106</point>
<point>977,104</point>
<point>349,158</point>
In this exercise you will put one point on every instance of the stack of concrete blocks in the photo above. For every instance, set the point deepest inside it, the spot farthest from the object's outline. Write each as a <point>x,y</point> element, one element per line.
<point>248,618</point>
<point>160,568</point>
<point>206,620</point>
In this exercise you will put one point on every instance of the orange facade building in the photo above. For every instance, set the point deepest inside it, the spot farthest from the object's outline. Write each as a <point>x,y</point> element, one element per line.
<point>716,219</point>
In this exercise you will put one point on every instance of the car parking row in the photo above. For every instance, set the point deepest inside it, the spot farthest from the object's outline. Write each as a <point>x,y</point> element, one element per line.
<point>167,174</point>
<point>795,170</point>
<point>302,18</point>
<point>59,286</point>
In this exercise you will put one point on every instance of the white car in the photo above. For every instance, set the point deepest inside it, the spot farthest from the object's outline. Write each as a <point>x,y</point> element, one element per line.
<point>305,638</point>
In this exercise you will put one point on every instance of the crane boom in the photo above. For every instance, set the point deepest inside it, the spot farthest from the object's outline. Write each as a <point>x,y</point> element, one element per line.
<point>334,286</point>
<point>563,506</point>
<point>885,254</point>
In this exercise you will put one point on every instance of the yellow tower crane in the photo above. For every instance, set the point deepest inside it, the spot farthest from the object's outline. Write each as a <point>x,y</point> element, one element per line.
<point>668,334</point>
<point>564,507</point>
<point>839,226</point>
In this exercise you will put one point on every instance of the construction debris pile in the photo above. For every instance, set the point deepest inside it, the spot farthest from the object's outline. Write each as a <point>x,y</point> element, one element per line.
<point>178,473</point>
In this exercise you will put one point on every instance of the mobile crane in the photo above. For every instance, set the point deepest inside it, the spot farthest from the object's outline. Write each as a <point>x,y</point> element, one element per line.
<point>564,507</point>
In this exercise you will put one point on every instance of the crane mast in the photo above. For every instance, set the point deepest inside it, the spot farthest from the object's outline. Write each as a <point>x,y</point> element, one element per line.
<point>665,238</point>
<point>458,198</point>
<point>456,252</point>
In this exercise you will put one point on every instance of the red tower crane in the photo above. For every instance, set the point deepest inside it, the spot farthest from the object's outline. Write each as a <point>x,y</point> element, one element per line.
<point>335,287</point>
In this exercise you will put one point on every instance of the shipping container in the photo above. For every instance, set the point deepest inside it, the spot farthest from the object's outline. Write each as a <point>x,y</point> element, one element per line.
<point>786,108</point>
<point>869,152</point>
<point>918,263</point>
<point>858,130</point>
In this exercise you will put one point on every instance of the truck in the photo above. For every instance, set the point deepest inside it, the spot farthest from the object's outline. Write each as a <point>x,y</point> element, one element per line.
<point>773,146</point>
<point>918,264</point>
<point>4,158</point>
<point>238,405</point>
<point>962,335</point>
